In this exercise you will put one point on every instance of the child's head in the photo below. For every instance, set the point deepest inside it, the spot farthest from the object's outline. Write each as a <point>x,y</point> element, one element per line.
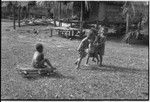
<point>91,34</point>
<point>94,31</point>
<point>39,47</point>
<point>103,30</point>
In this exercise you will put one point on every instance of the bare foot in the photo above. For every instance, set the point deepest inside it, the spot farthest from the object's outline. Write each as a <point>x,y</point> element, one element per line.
<point>93,60</point>
<point>77,67</point>
<point>100,64</point>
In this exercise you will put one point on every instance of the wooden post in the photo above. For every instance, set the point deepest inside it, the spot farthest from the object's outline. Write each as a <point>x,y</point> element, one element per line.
<point>19,8</point>
<point>14,15</point>
<point>81,18</point>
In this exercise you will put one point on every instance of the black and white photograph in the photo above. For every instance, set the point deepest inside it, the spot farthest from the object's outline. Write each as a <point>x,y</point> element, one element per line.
<point>74,50</point>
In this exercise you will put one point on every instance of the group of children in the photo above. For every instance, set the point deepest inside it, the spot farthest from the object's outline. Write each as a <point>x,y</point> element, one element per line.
<point>92,46</point>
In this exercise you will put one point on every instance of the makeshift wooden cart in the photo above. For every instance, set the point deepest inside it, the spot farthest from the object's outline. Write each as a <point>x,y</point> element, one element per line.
<point>30,72</point>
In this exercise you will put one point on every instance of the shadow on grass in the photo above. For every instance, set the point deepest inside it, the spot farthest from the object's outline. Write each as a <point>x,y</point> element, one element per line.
<point>52,75</point>
<point>113,68</point>
<point>59,75</point>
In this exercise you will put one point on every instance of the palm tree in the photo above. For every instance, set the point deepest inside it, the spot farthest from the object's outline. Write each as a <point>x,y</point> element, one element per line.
<point>14,8</point>
<point>60,13</point>
<point>19,9</point>
<point>130,9</point>
<point>51,6</point>
<point>20,5</point>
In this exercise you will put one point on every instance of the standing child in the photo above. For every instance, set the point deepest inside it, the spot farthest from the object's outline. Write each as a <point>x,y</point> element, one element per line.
<point>100,42</point>
<point>92,52</point>
<point>82,48</point>
<point>38,60</point>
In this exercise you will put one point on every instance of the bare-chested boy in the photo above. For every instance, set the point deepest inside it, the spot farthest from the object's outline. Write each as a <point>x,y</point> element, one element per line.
<point>38,60</point>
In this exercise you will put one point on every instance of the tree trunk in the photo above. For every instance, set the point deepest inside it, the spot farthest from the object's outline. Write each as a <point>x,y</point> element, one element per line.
<point>14,16</point>
<point>127,35</point>
<point>19,8</point>
<point>71,16</point>
<point>97,24</point>
<point>81,18</point>
<point>26,13</point>
<point>59,13</point>
<point>54,15</point>
<point>28,10</point>
<point>127,23</point>
<point>54,19</point>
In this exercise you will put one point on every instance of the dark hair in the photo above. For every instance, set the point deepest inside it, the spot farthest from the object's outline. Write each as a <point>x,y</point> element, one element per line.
<point>106,29</point>
<point>91,34</point>
<point>94,29</point>
<point>39,47</point>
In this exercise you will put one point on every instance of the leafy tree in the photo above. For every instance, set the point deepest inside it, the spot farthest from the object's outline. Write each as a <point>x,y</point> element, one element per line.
<point>134,12</point>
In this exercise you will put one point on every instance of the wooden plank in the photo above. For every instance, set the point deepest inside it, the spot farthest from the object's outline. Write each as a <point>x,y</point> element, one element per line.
<point>63,28</point>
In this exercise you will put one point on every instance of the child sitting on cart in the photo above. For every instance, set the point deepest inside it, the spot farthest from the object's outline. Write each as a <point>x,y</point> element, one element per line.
<point>38,60</point>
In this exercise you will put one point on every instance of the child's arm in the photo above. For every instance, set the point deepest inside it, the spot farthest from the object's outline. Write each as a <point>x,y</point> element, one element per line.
<point>44,60</point>
<point>102,41</point>
<point>96,39</point>
<point>80,46</point>
<point>89,47</point>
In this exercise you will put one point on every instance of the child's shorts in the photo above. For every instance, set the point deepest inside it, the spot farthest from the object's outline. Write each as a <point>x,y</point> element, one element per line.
<point>35,65</point>
<point>92,54</point>
<point>101,49</point>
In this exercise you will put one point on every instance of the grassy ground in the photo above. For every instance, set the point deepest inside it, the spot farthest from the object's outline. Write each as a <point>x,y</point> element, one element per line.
<point>123,76</point>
